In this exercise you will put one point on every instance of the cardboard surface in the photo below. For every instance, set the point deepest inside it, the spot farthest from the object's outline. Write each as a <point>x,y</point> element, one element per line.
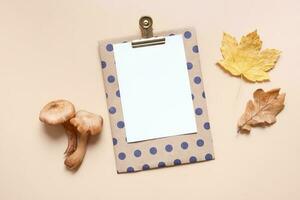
<point>160,152</point>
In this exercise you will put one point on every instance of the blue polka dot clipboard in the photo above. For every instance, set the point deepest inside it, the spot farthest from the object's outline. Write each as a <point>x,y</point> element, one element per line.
<point>166,151</point>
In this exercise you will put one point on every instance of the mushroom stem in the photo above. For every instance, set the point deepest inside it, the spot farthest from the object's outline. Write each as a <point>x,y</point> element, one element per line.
<point>72,138</point>
<point>61,112</point>
<point>74,160</point>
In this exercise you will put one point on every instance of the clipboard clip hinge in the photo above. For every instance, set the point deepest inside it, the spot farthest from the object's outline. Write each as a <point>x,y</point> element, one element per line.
<point>145,24</point>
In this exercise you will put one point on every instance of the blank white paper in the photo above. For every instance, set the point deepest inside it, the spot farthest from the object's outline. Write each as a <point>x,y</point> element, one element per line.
<point>155,90</point>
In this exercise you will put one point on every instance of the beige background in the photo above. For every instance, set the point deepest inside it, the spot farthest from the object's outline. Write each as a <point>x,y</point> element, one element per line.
<point>49,50</point>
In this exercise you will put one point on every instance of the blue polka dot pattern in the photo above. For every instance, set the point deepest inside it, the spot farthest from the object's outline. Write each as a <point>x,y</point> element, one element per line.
<point>208,156</point>
<point>197,80</point>
<point>112,110</point>
<point>198,111</point>
<point>115,141</point>
<point>118,93</point>
<point>187,34</point>
<point>184,145</point>
<point>193,159</point>
<point>177,162</point>
<point>146,167</point>
<point>161,164</point>
<point>111,79</point>
<point>109,47</point>
<point>153,150</point>
<point>120,124</point>
<point>206,125</point>
<point>137,153</point>
<point>169,148</point>
<point>122,156</point>
<point>103,64</point>
<point>189,65</point>
<point>130,169</point>
<point>195,49</point>
<point>200,143</point>
<point>191,149</point>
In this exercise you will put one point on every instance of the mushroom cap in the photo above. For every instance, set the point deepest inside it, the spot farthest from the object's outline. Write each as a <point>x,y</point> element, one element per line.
<point>57,112</point>
<point>87,122</point>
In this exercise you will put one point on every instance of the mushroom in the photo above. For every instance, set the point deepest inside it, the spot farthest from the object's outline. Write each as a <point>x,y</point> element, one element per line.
<point>60,112</point>
<point>87,124</point>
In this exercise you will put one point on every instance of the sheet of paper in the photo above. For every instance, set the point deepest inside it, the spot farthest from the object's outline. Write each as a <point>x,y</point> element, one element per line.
<point>155,90</point>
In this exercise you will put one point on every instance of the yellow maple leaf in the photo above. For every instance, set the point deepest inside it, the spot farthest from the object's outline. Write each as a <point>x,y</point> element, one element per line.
<point>246,59</point>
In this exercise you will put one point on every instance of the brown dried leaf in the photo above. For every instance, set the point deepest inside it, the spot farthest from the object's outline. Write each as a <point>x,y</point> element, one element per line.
<point>262,111</point>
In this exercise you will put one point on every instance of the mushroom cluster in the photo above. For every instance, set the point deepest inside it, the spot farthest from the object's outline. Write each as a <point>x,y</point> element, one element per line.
<point>78,126</point>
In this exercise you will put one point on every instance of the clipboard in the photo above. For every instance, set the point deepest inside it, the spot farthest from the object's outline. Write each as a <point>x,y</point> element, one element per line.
<point>136,145</point>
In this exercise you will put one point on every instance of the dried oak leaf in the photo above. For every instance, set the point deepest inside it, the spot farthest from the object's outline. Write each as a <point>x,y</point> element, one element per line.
<point>246,59</point>
<point>262,111</point>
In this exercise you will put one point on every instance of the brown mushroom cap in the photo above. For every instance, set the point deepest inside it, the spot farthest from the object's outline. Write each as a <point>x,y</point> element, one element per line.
<point>57,112</point>
<point>87,122</point>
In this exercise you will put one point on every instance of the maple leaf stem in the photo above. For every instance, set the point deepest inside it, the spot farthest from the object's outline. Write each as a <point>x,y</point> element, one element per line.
<point>239,89</point>
<point>243,78</point>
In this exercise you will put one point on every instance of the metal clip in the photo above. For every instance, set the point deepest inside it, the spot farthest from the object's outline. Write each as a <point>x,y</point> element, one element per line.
<point>146,23</point>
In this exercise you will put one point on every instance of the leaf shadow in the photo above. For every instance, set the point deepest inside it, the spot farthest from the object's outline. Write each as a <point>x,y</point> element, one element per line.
<point>241,76</point>
<point>260,126</point>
